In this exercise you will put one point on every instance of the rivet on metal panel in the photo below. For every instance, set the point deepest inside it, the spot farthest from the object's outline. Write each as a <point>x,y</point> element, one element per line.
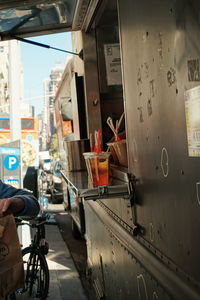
<point>164,162</point>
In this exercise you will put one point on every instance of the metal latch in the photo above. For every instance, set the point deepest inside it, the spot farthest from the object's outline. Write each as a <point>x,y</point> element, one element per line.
<point>102,190</point>
<point>125,190</point>
<point>131,179</point>
<point>105,191</point>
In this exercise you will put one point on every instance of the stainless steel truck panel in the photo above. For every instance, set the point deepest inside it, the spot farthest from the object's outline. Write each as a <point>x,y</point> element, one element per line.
<point>160,55</point>
<point>124,269</point>
<point>160,48</point>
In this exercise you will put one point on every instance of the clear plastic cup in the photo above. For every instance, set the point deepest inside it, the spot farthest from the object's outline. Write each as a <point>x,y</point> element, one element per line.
<point>97,167</point>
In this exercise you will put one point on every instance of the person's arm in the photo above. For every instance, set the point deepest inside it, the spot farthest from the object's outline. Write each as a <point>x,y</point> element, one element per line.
<point>17,201</point>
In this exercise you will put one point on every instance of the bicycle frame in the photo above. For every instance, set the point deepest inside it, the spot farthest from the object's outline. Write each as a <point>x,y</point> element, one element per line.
<point>36,260</point>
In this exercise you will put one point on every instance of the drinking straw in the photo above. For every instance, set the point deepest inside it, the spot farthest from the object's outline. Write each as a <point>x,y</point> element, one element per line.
<point>117,138</point>
<point>110,124</point>
<point>89,169</point>
<point>99,141</point>
<point>95,141</point>
<point>91,143</point>
<point>120,120</point>
<point>114,130</point>
<point>118,123</point>
<point>96,162</point>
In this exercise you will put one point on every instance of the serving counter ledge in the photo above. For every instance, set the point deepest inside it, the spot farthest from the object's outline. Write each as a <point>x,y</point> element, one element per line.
<point>121,185</point>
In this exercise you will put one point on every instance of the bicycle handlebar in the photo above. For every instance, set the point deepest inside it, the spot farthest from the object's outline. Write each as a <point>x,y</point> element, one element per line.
<point>40,219</point>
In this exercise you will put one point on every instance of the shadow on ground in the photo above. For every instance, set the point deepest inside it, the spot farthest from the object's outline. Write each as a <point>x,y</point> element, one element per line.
<point>77,250</point>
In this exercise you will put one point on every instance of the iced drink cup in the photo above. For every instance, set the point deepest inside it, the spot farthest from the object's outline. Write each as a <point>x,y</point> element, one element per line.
<point>98,167</point>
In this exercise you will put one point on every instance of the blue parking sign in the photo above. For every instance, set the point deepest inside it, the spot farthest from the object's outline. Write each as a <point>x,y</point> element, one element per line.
<point>11,162</point>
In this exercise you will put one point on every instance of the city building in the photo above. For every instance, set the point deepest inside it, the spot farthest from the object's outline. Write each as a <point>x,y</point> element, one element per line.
<point>50,87</point>
<point>11,89</point>
<point>4,75</point>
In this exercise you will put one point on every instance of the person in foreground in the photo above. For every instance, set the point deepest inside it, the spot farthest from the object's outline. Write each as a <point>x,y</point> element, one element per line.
<point>18,202</point>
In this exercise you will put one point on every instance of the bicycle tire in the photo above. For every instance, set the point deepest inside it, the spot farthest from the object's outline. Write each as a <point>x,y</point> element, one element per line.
<point>36,276</point>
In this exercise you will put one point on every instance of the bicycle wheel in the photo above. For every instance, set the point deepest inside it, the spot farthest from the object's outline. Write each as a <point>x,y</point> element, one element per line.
<point>36,276</point>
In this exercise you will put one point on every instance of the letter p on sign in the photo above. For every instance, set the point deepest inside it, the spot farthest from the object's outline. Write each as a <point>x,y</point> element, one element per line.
<point>11,162</point>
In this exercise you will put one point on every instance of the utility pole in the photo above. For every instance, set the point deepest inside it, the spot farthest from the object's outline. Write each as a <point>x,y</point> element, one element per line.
<point>14,90</point>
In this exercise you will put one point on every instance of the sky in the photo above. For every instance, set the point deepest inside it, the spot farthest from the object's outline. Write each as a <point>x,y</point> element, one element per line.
<point>37,63</point>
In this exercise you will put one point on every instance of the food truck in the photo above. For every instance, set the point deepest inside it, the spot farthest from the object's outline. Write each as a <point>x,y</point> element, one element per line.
<point>140,58</point>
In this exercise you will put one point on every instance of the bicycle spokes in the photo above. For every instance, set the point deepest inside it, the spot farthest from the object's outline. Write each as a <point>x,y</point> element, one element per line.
<point>36,277</point>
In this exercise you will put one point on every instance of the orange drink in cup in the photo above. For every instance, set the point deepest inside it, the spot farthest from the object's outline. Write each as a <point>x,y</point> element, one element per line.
<point>98,167</point>
<point>103,169</point>
<point>94,168</point>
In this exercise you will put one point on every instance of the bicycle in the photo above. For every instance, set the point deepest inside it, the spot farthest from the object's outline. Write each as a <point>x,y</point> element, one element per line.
<point>36,283</point>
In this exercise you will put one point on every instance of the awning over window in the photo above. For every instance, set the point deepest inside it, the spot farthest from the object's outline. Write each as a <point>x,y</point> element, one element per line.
<point>30,18</point>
